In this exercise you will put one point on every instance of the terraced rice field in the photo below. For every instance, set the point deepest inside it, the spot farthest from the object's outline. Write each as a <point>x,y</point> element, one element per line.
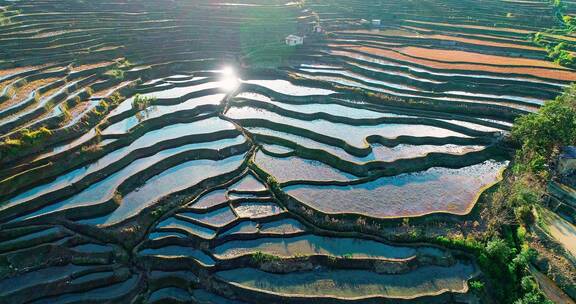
<point>148,156</point>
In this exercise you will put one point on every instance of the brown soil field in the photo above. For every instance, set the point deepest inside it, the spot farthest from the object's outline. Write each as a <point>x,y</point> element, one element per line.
<point>25,90</point>
<point>477,27</point>
<point>403,33</point>
<point>537,72</point>
<point>424,31</point>
<point>382,43</point>
<point>53,33</point>
<point>90,66</point>
<point>15,70</point>
<point>463,56</point>
<point>483,42</point>
<point>410,34</point>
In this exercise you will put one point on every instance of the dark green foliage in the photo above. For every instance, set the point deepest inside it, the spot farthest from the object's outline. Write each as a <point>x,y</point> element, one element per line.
<point>468,244</point>
<point>561,55</point>
<point>260,257</point>
<point>26,138</point>
<point>524,215</point>
<point>532,294</point>
<point>541,134</point>
<point>476,286</point>
<point>115,74</point>
<point>141,102</point>
<point>29,137</point>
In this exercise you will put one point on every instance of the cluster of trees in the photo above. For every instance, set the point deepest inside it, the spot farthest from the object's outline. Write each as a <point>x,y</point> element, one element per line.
<point>25,138</point>
<point>541,134</point>
<point>561,55</point>
<point>505,260</point>
<point>559,52</point>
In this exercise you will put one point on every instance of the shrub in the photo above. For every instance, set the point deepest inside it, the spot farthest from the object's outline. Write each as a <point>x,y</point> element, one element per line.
<point>29,137</point>
<point>521,233</point>
<point>532,294</point>
<point>469,243</point>
<point>271,180</point>
<point>533,298</point>
<point>116,98</point>
<point>561,55</point>
<point>500,250</point>
<point>141,102</point>
<point>4,20</point>
<point>523,259</point>
<point>12,146</point>
<point>525,216</point>
<point>115,74</point>
<point>12,142</point>
<point>476,286</point>
<point>261,257</point>
<point>117,198</point>
<point>124,63</point>
<point>332,260</point>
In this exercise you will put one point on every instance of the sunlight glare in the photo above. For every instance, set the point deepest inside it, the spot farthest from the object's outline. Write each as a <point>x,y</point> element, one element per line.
<point>229,80</point>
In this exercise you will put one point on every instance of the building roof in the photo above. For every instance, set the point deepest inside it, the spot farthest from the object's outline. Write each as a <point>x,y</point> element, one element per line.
<point>293,37</point>
<point>568,152</point>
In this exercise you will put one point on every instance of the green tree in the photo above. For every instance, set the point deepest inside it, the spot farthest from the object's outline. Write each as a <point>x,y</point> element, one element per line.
<point>541,134</point>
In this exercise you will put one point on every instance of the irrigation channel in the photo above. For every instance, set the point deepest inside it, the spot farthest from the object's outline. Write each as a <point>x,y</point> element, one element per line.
<point>177,171</point>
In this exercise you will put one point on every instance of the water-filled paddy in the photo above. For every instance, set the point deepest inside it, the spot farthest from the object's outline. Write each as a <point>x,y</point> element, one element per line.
<point>355,283</point>
<point>314,245</point>
<point>179,252</point>
<point>216,218</point>
<point>248,184</point>
<point>257,209</point>
<point>287,88</point>
<point>151,112</point>
<point>295,168</point>
<point>156,187</point>
<point>191,229</point>
<point>353,135</point>
<point>151,138</point>
<point>412,194</point>
<point>210,199</point>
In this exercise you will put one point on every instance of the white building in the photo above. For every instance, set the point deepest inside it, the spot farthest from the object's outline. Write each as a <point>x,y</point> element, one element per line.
<point>317,28</point>
<point>293,40</point>
<point>376,22</point>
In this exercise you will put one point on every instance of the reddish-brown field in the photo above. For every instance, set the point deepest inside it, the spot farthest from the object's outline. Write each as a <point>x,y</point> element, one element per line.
<point>473,65</point>
<point>477,58</point>
<point>477,27</point>
<point>482,42</point>
<point>23,92</point>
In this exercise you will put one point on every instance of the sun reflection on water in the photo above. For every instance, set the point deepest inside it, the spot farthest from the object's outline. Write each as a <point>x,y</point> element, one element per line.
<point>230,81</point>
